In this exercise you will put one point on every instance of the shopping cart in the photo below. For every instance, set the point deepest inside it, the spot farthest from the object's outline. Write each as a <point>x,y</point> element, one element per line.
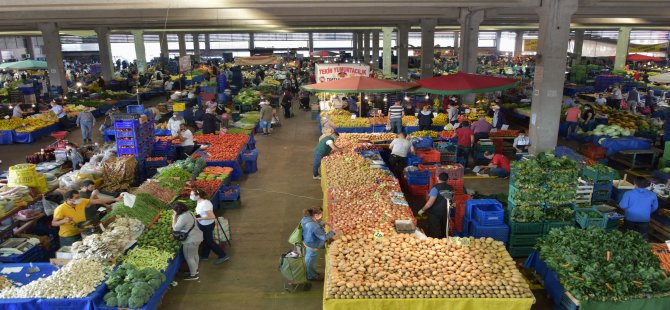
<point>60,140</point>
<point>292,267</point>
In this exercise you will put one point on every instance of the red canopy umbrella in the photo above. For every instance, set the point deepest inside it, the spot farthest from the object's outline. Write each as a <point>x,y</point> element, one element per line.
<point>640,58</point>
<point>359,84</point>
<point>463,83</point>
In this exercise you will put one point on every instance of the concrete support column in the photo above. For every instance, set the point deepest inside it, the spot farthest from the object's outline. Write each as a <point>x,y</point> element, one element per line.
<point>182,44</point>
<point>456,42</point>
<point>403,44</point>
<point>140,54</point>
<point>196,45</point>
<point>30,49</point>
<point>162,38</point>
<point>105,50</point>
<point>518,44</point>
<point>498,40</point>
<point>387,54</point>
<point>622,48</point>
<point>366,47</point>
<point>354,46</point>
<point>361,48</point>
<point>207,45</point>
<point>375,49</point>
<point>52,49</point>
<point>467,56</point>
<point>554,36</point>
<point>252,44</point>
<point>427,47</point>
<point>579,45</point>
<point>310,43</point>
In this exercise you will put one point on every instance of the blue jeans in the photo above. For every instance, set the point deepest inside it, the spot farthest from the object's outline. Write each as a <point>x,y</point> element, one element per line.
<point>310,260</point>
<point>571,128</point>
<point>317,164</point>
<point>68,241</point>
<point>499,172</point>
<point>396,125</point>
<point>465,153</point>
<point>86,130</point>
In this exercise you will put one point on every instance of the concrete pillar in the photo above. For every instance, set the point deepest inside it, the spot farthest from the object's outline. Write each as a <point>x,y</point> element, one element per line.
<point>553,37</point>
<point>252,44</point>
<point>310,43</point>
<point>182,44</point>
<point>165,52</point>
<point>366,47</point>
<point>54,55</point>
<point>403,44</point>
<point>457,35</point>
<point>207,45</point>
<point>140,54</point>
<point>361,47</point>
<point>354,46</point>
<point>518,44</point>
<point>467,56</point>
<point>30,49</point>
<point>387,54</point>
<point>427,47</point>
<point>622,48</point>
<point>578,46</point>
<point>498,40</point>
<point>105,50</point>
<point>196,45</point>
<point>375,49</point>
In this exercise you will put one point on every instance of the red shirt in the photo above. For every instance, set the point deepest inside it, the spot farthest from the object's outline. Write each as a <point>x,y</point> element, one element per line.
<point>464,136</point>
<point>572,114</point>
<point>501,162</point>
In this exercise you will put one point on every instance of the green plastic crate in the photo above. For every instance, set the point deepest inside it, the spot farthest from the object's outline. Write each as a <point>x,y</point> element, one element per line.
<point>520,251</point>
<point>525,228</point>
<point>523,240</point>
<point>587,222</point>
<point>556,224</point>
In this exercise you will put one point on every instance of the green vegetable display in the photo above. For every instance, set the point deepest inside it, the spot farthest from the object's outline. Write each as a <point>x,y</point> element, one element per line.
<point>248,96</point>
<point>132,287</point>
<point>561,213</point>
<point>527,214</point>
<point>598,265</point>
<point>193,166</point>
<point>159,235</point>
<point>142,210</point>
<point>173,177</point>
<point>592,214</point>
<point>148,257</point>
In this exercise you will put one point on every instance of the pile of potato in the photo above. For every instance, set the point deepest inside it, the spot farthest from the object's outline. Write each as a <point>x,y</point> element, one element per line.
<point>350,170</point>
<point>402,266</point>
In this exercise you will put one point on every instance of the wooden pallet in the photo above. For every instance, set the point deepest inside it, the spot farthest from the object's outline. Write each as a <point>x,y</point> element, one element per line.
<point>584,194</point>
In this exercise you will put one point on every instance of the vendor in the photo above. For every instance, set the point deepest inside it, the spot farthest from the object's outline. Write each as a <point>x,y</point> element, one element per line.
<point>498,119</point>
<point>88,191</point>
<point>588,118</point>
<point>323,149</point>
<point>76,159</point>
<point>18,111</point>
<point>498,167</point>
<point>186,146</point>
<point>174,123</point>
<point>425,117</point>
<point>452,113</point>
<point>70,213</point>
<point>521,143</point>
<point>601,101</point>
<point>639,204</point>
<point>437,205</point>
<point>481,128</point>
<point>400,148</point>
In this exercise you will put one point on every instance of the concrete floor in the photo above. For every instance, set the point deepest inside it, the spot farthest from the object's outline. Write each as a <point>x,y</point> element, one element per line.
<point>272,202</point>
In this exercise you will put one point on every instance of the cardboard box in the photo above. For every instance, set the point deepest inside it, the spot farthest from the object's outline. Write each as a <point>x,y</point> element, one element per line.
<point>64,253</point>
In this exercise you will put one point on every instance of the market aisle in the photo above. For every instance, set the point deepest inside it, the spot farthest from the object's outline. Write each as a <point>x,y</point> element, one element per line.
<point>272,202</point>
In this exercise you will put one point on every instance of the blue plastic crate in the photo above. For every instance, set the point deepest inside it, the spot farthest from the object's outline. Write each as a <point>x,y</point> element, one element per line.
<point>135,109</point>
<point>250,166</point>
<point>498,232</point>
<point>417,177</point>
<point>122,142</point>
<point>470,205</point>
<point>156,163</point>
<point>127,123</point>
<point>250,155</point>
<point>422,142</point>
<point>413,160</point>
<point>489,214</point>
<point>561,151</point>
<point>234,195</point>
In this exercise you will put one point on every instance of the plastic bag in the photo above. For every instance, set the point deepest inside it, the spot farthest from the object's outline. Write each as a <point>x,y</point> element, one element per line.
<point>69,181</point>
<point>128,199</point>
<point>48,206</point>
<point>219,235</point>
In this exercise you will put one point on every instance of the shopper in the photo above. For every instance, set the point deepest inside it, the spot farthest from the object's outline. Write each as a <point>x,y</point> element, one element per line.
<point>400,147</point>
<point>174,123</point>
<point>633,100</point>
<point>76,159</point>
<point>408,108</point>
<point>481,128</point>
<point>210,122</point>
<point>521,142</point>
<point>440,197</point>
<point>638,204</point>
<point>314,237</point>
<point>183,221</point>
<point>70,213</point>
<point>498,118</point>
<point>452,113</point>
<point>498,167</point>
<point>323,149</point>
<point>207,223</point>
<point>286,103</point>
<point>425,118</point>
<point>396,112</point>
<point>58,109</point>
<point>186,146</point>
<point>571,118</point>
<point>588,121</point>
<point>465,138</point>
<point>86,120</point>
<point>266,116</point>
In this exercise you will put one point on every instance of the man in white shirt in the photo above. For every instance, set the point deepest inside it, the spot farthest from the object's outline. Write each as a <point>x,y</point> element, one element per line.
<point>601,101</point>
<point>400,147</point>
<point>174,123</point>
<point>187,143</point>
<point>452,114</point>
<point>521,143</point>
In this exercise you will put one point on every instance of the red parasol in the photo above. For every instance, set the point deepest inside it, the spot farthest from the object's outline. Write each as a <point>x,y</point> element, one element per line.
<point>359,84</point>
<point>464,83</point>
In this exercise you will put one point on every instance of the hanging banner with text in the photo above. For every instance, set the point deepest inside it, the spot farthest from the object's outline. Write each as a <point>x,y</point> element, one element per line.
<point>333,72</point>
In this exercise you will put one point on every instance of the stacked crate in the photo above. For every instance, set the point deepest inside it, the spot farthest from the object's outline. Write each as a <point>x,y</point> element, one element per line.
<point>482,146</point>
<point>601,177</point>
<point>230,197</point>
<point>485,218</point>
<point>133,138</point>
<point>448,152</point>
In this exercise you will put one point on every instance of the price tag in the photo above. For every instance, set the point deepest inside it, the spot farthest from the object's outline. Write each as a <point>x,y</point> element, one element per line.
<point>378,235</point>
<point>385,218</point>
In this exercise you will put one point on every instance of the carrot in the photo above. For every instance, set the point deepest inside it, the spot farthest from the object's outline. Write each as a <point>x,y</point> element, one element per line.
<point>637,283</point>
<point>566,265</point>
<point>608,256</point>
<point>609,286</point>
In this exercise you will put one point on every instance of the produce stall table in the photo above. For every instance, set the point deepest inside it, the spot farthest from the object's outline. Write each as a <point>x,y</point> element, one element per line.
<point>636,159</point>
<point>573,90</point>
<point>567,301</point>
<point>235,164</point>
<point>45,269</point>
<point>30,137</point>
<point>7,137</point>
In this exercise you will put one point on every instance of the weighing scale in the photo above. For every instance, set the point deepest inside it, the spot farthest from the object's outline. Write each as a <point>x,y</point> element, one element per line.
<point>17,246</point>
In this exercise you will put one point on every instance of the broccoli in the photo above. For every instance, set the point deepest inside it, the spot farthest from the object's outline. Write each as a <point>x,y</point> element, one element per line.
<point>142,289</point>
<point>110,299</point>
<point>114,280</point>
<point>112,302</point>
<point>155,283</point>
<point>136,302</point>
<point>123,289</point>
<point>122,299</point>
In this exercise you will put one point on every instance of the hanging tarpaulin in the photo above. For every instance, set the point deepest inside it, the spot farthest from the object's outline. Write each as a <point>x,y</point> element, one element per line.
<point>185,63</point>
<point>257,60</point>
<point>334,72</point>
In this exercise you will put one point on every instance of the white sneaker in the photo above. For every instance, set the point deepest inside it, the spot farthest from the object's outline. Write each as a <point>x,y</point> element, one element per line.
<point>316,178</point>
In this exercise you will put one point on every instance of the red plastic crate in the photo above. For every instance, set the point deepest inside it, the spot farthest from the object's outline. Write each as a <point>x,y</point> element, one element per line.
<point>418,190</point>
<point>458,186</point>
<point>593,151</point>
<point>500,147</point>
<point>428,156</point>
<point>460,202</point>
<point>593,154</point>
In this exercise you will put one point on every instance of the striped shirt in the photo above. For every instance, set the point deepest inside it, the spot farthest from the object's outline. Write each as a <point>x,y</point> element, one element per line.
<point>395,111</point>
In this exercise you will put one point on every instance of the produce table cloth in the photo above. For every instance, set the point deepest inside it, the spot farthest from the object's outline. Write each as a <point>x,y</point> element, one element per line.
<point>7,136</point>
<point>412,303</point>
<point>45,304</point>
<point>554,288</point>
